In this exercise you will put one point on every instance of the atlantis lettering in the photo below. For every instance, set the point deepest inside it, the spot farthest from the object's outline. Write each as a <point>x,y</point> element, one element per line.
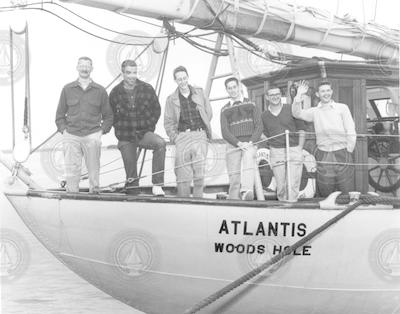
<point>261,229</point>
<point>286,229</point>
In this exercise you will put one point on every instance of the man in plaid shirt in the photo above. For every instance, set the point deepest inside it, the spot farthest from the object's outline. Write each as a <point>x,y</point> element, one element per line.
<point>136,112</point>
<point>187,123</point>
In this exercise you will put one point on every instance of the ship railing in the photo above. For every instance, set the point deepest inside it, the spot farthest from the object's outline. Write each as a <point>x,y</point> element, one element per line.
<point>378,155</point>
<point>382,164</point>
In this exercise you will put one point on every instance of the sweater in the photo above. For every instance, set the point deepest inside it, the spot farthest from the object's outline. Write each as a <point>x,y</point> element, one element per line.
<point>241,122</point>
<point>275,125</point>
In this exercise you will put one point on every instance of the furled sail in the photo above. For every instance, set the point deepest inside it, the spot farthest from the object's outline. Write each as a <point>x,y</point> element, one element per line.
<point>272,20</point>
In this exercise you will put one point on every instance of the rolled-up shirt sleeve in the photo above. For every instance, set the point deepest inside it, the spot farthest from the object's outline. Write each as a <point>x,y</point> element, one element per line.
<point>303,114</point>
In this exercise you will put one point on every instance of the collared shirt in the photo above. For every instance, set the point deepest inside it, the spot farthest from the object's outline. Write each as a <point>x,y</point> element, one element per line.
<point>333,123</point>
<point>233,102</point>
<point>172,111</point>
<point>131,96</point>
<point>131,92</point>
<point>84,111</point>
<point>189,117</point>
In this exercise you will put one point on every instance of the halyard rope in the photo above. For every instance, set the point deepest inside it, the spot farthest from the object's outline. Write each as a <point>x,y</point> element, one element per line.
<point>366,199</point>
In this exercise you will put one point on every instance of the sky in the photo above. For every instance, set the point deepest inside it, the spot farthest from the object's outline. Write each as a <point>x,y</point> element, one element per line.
<point>55,47</point>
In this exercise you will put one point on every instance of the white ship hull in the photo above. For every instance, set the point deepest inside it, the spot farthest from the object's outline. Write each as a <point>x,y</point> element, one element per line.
<point>163,255</point>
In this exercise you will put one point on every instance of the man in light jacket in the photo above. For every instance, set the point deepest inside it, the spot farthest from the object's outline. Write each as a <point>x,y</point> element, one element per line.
<point>187,123</point>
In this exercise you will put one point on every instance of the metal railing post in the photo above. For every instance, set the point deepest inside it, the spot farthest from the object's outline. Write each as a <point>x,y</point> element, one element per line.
<point>288,181</point>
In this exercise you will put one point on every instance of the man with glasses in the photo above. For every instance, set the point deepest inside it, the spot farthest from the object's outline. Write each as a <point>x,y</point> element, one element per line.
<point>276,120</point>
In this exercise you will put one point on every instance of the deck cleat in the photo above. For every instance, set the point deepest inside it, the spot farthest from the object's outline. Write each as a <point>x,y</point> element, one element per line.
<point>330,202</point>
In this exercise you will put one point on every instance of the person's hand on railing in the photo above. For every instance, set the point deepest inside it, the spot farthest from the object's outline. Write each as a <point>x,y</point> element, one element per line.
<point>242,145</point>
<point>245,145</point>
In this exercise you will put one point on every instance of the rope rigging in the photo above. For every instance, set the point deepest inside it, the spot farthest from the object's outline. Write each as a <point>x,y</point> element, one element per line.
<point>243,42</point>
<point>392,166</point>
<point>364,200</point>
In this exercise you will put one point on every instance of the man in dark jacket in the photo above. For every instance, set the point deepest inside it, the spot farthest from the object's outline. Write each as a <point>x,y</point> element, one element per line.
<point>136,112</point>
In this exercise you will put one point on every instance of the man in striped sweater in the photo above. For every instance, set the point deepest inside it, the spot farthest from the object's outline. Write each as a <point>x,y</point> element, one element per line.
<point>241,127</point>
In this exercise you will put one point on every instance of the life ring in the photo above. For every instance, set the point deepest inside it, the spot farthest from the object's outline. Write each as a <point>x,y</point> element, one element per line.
<point>264,166</point>
<point>307,185</point>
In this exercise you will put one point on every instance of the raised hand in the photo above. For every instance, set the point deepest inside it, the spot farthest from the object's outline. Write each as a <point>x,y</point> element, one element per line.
<point>302,88</point>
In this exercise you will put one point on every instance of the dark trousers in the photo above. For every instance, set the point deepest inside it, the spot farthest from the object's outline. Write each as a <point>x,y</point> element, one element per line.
<point>149,141</point>
<point>335,171</point>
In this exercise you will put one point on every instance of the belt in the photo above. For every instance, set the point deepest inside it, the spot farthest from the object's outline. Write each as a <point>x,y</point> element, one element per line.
<point>192,130</point>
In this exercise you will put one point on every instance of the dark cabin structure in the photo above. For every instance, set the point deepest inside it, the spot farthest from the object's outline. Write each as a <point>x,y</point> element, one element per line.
<point>353,83</point>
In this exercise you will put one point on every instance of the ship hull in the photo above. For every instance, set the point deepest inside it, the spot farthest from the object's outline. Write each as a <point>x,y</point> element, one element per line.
<point>163,255</point>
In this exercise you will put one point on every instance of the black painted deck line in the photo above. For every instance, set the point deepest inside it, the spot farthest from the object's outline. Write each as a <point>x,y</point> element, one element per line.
<point>118,197</point>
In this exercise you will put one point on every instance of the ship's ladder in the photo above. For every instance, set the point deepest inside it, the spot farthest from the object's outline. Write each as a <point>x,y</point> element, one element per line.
<point>212,76</point>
